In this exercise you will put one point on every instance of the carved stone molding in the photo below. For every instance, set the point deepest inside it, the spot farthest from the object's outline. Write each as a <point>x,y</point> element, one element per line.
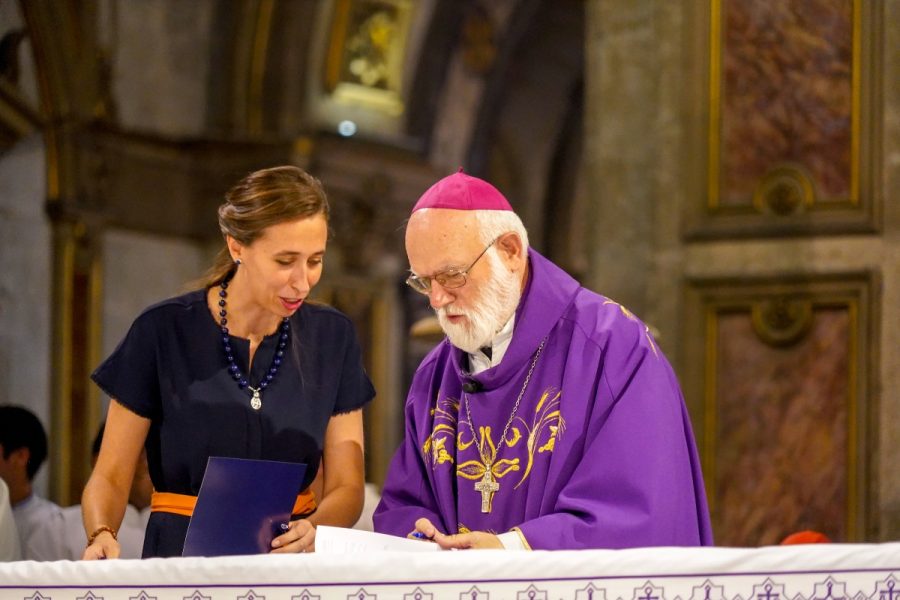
<point>156,184</point>
<point>784,190</point>
<point>781,320</point>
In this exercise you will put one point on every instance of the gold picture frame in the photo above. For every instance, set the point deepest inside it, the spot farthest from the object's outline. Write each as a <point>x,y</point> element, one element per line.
<point>366,53</point>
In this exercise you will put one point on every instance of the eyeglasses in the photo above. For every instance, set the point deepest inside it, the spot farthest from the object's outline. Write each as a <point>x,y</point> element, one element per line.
<point>449,279</point>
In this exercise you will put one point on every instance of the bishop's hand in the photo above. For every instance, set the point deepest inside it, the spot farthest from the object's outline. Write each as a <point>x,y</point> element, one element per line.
<point>473,540</point>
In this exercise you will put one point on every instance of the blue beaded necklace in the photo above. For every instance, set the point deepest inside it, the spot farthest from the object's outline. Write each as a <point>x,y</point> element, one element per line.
<point>244,382</point>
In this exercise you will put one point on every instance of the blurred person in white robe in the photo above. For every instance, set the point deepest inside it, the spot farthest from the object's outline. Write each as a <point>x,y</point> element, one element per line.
<point>23,449</point>
<point>9,535</point>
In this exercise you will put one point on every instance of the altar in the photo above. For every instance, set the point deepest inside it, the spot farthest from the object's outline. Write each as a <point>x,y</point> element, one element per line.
<point>802,572</point>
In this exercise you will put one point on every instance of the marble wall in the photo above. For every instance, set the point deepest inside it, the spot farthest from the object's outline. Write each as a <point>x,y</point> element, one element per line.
<point>782,430</point>
<point>786,89</point>
<point>790,437</point>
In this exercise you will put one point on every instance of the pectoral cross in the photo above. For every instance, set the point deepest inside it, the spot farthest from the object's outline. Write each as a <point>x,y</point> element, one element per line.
<point>487,486</point>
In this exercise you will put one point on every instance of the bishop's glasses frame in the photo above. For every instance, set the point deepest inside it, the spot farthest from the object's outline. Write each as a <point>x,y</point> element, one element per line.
<point>450,279</point>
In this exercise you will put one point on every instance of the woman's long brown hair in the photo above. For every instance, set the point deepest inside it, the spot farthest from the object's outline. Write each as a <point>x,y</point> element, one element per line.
<point>258,201</point>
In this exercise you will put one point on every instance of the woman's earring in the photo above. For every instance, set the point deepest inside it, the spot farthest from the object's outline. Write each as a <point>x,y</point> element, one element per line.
<point>237,262</point>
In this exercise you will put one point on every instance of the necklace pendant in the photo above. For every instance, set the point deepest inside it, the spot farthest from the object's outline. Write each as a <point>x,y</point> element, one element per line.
<point>255,401</point>
<point>488,487</point>
<point>233,370</point>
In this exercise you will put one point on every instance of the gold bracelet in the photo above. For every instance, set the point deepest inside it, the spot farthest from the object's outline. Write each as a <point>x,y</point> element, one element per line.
<point>100,530</point>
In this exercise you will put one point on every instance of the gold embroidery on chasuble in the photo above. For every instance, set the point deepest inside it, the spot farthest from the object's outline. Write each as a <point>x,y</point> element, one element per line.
<point>436,448</point>
<point>547,425</point>
<point>461,528</point>
<point>630,316</point>
<point>527,438</point>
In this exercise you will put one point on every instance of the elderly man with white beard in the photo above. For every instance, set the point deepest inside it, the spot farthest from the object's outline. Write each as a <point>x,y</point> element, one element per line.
<point>548,418</point>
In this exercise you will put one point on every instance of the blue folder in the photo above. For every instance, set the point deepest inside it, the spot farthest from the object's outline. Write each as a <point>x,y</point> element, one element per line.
<point>241,506</point>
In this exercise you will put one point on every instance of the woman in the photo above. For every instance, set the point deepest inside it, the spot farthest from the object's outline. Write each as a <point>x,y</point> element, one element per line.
<point>243,367</point>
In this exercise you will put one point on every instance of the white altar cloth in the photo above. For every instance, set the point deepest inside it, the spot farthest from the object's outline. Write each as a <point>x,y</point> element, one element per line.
<point>803,572</point>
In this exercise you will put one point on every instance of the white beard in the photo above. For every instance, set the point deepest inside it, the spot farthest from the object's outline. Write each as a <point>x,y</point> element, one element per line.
<point>495,305</point>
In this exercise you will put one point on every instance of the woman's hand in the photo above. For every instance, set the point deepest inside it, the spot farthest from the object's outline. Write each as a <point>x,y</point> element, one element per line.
<point>106,492</point>
<point>300,537</point>
<point>104,546</point>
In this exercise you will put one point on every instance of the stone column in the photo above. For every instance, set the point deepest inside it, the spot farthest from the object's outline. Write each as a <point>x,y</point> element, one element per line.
<point>633,129</point>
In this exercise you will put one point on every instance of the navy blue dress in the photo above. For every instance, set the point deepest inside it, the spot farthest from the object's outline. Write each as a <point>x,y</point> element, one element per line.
<point>171,368</point>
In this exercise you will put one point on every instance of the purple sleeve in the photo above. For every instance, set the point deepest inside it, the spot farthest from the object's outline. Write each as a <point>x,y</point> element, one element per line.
<point>635,476</point>
<point>407,495</point>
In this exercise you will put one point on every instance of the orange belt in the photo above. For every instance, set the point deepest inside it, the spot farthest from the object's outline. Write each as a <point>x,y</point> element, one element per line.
<point>183,504</point>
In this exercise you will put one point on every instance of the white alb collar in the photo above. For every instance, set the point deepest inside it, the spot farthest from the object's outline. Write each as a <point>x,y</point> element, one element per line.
<point>479,361</point>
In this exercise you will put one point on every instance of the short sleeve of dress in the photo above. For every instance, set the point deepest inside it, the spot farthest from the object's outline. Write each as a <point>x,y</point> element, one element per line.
<point>355,387</point>
<point>130,374</point>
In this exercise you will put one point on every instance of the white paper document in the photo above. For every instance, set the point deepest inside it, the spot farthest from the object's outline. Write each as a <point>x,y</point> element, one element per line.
<point>339,540</point>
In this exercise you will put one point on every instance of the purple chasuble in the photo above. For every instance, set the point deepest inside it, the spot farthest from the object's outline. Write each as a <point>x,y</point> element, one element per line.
<point>599,453</point>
